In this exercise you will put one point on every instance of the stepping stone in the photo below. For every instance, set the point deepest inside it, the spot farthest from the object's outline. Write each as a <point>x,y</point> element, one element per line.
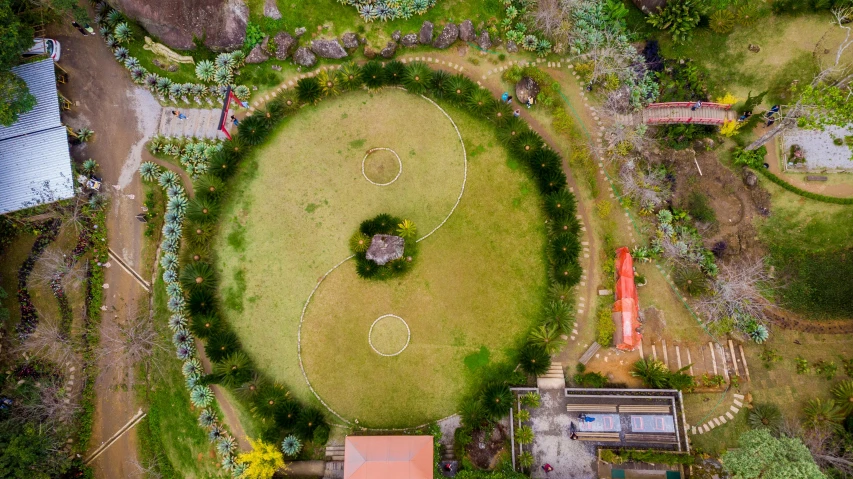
<point>739,396</point>
<point>716,422</point>
<point>585,243</point>
<point>701,430</point>
<point>722,419</point>
<point>738,403</point>
<point>710,425</point>
<point>729,415</point>
<point>734,409</point>
<point>604,292</point>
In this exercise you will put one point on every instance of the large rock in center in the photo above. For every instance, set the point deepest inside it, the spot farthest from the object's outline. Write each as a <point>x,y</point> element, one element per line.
<point>526,88</point>
<point>447,36</point>
<point>221,23</point>
<point>385,248</point>
<point>328,49</point>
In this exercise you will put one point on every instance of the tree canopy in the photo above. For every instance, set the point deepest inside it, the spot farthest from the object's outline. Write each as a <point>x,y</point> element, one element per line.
<point>263,461</point>
<point>825,105</point>
<point>761,455</point>
<point>16,37</point>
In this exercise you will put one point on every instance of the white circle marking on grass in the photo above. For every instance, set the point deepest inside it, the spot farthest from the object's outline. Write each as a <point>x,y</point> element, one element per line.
<point>373,150</point>
<point>370,335</point>
<point>317,286</point>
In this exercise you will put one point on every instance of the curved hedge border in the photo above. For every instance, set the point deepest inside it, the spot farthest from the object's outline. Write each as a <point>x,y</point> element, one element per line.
<point>191,294</point>
<point>806,194</point>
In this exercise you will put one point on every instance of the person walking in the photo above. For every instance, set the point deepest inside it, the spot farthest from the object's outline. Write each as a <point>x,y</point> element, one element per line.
<point>505,97</point>
<point>529,101</point>
<point>696,106</point>
<point>178,114</point>
<point>235,120</point>
<point>547,468</point>
<point>509,100</point>
<point>516,113</point>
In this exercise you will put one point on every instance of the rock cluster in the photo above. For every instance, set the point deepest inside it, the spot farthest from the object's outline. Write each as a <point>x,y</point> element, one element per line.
<point>304,57</point>
<point>328,49</point>
<point>283,45</point>
<point>385,248</point>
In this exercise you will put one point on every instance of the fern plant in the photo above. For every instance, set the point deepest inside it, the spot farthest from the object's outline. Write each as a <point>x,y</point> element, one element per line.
<point>678,18</point>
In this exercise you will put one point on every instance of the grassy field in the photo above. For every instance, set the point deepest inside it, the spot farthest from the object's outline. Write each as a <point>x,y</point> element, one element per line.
<point>811,246</point>
<point>303,197</point>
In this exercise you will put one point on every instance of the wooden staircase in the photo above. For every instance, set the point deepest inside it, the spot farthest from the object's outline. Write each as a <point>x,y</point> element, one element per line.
<point>335,452</point>
<point>555,378</point>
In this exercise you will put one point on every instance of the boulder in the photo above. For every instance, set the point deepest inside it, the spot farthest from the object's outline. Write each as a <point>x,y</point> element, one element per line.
<point>483,41</point>
<point>283,45</point>
<point>396,35</point>
<point>328,49</point>
<point>526,88</point>
<point>271,10</point>
<point>369,53</point>
<point>511,47</point>
<point>300,31</point>
<point>409,40</point>
<point>385,248</point>
<point>350,40</point>
<point>388,51</point>
<point>221,23</point>
<point>448,35</point>
<point>750,179</point>
<point>259,52</point>
<point>304,57</point>
<point>425,36</point>
<point>466,31</point>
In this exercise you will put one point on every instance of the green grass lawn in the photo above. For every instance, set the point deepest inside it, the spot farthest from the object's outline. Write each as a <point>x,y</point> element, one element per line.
<point>12,258</point>
<point>811,247</point>
<point>478,282</point>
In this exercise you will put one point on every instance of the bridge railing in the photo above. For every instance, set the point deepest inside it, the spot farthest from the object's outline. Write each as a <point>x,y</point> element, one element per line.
<point>684,119</point>
<point>685,104</point>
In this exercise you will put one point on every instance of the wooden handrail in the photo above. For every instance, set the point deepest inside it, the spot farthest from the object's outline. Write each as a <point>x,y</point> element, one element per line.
<point>682,104</point>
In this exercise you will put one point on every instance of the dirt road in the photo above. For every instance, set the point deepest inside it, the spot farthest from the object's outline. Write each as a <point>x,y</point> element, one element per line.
<point>122,116</point>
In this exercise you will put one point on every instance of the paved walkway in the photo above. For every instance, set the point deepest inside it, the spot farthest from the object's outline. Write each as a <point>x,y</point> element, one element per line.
<point>198,123</point>
<point>550,423</point>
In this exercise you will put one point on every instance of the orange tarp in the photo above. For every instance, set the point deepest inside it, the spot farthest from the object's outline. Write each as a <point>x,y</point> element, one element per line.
<point>627,302</point>
<point>388,457</point>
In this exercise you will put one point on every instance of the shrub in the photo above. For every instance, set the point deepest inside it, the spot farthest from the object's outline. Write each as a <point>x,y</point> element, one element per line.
<point>309,420</point>
<point>373,75</point>
<point>308,90</point>
<point>530,400</point>
<point>417,77</point>
<point>678,17</point>
<point>765,416</point>
<point>253,130</point>
<point>394,73</point>
<point>605,328</point>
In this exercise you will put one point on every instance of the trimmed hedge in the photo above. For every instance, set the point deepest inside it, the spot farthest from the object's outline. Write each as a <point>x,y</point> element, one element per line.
<point>806,194</point>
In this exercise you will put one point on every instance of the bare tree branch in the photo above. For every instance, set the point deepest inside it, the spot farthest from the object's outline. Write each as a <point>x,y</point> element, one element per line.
<point>129,343</point>
<point>49,342</point>
<point>736,291</point>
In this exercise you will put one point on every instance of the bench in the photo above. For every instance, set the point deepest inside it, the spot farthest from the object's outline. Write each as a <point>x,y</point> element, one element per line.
<point>590,408</point>
<point>816,178</point>
<point>647,409</point>
<point>599,436</point>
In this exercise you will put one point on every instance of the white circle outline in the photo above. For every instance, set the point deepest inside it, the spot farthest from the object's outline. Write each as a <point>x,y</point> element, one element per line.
<point>373,150</point>
<point>370,335</point>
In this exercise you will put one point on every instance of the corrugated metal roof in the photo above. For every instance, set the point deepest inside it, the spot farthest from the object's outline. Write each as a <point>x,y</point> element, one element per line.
<point>35,168</point>
<point>42,84</point>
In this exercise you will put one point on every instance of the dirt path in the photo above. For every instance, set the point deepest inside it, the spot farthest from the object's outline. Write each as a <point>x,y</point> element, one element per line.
<point>185,178</point>
<point>104,100</point>
<point>231,419</point>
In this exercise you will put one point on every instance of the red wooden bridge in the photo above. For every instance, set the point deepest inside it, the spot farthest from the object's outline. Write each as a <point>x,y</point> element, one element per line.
<point>680,112</point>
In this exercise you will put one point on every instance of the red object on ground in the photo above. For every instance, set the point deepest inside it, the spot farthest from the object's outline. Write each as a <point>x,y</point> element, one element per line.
<point>627,302</point>
<point>397,457</point>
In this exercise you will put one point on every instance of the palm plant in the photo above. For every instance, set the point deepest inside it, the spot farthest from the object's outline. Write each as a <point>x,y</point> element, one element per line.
<point>498,111</point>
<point>825,414</point>
<point>199,235</point>
<point>349,76</point>
<point>201,302</point>
<point>233,370</point>
<point>121,54</point>
<point>524,435</point>
<point>843,394</point>
<point>220,344</point>
<point>223,76</point>
<point>373,75</point>
<point>439,82</point>
<point>544,162</point>
<point>328,83</point>
<point>286,414</point>
<point>177,321</point>
<point>497,400</point>
<point>394,72</point>
<point>567,273</point>
<point>525,460</point>
<point>113,18</point>
<point>249,389</point>
<point>204,325</point>
<point>253,130</point>
<point>547,337</point>
<point>478,101</point>
<point>417,77</point>
<point>527,143</point>
<point>565,248</point>
<point>223,163</point>
<point>473,413</point>
<point>204,70</point>
<point>201,396</point>
<point>291,445</point>
<point>559,315</point>
<point>359,243</point>
<point>531,400</point>
<point>722,21</point>
<point>309,419</point>
<point>206,418</point>
<point>122,32</point>
<point>561,204</point>
<point>309,90</point>
<point>111,42</point>
<point>274,112</point>
<point>457,88</point>
<point>203,210</point>
<point>765,416</point>
<point>522,416</point>
<point>508,132</point>
<point>226,445</point>
<point>691,280</point>
<point>653,373</point>
<point>534,360</point>
<point>90,165</point>
<point>198,276</point>
<point>678,17</point>
<point>407,229</point>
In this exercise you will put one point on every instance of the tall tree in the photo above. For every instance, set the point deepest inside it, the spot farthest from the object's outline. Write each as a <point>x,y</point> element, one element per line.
<point>15,37</point>
<point>761,455</point>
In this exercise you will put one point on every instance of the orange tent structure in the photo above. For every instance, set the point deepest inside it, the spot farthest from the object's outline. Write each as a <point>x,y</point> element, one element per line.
<point>626,310</point>
<point>391,457</point>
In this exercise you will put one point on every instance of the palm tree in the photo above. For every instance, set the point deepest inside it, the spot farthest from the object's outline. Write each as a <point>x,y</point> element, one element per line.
<point>309,90</point>
<point>394,72</point>
<point>198,276</point>
<point>525,460</point>
<point>843,393</point>
<point>328,83</point>
<point>534,360</point>
<point>407,229</point>
<point>824,414</point>
<point>210,187</point>
<point>560,205</point>
<point>233,370</point>
<point>653,373</point>
<point>349,76</point>
<point>203,210</point>
<point>547,337</point>
<point>416,77</point>
<point>373,75</point>
<point>765,416</point>
<point>524,435</point>
<point>286,414</point>
<point>559,314</point>
<point>309,420</point>
<point>531,400</point>
<point>267,400</point>
<point>220,344</point>
<point>497,400</point>
<point>359,243</point>
<point>253,130</point>
<point>456,88</point>
<point>478,101</point>
<point>438,83</point>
